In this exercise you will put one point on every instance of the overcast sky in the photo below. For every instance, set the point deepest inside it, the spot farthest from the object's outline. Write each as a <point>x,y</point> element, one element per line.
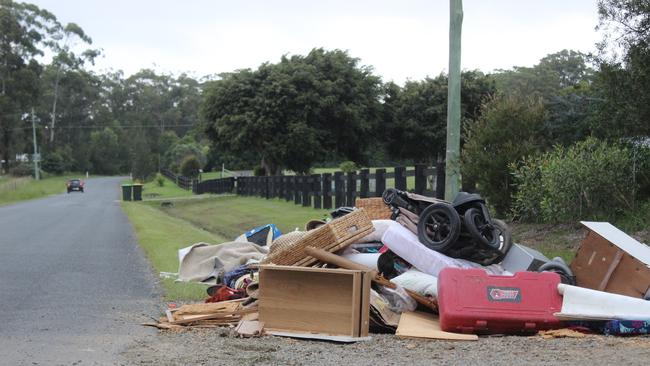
<point>399,39</point>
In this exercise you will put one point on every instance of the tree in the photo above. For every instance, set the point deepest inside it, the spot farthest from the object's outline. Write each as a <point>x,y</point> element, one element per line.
<point>415,117</point>
<point>295,112</point>
<point>105,147</point>
<point>624,80</point>
<point>24,29</point>
<point>553,75</point>
<point>65,59</point>
<point>509,129</point>
<point>183,148</point>
<point>190,166</point>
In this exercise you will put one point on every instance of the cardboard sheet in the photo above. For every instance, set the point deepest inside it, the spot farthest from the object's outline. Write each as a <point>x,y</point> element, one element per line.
<point>423,325</point>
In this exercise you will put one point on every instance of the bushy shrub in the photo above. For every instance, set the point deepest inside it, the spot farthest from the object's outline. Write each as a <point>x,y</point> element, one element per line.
<point>22,170</point>
<point>190,166</point>
<point>509,129</point>
<point>348,166</point>
<point>54,163</point>
<point>160,180</point>
<point>589,180</point>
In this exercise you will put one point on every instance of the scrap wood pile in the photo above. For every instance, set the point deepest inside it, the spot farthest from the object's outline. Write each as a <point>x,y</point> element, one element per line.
<point>419,267</point>
<point>207,315</point>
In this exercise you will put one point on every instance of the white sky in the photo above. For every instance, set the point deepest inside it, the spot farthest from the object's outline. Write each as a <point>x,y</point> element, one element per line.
<point>399,39</point>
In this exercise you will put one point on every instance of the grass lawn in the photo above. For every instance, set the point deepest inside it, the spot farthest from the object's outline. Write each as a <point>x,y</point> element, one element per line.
<point>214,175</point>
<point>25,188</point>
<point>160,236</point>
<point>230,216</point>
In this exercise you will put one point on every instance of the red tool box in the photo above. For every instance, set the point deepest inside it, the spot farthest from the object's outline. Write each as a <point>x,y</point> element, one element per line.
<point>471,301</point>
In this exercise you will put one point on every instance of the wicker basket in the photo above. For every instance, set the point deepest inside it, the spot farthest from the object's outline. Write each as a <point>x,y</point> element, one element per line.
<point>331,237</point>
<point>285,241</point>
<point>375,208</point>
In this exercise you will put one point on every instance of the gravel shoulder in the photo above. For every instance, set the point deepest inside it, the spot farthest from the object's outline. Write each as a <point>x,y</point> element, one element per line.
<point>219,347</point>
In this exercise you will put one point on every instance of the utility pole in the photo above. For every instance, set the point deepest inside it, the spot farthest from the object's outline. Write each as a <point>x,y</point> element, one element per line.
<point>452,171</point>
<point>35,157</point>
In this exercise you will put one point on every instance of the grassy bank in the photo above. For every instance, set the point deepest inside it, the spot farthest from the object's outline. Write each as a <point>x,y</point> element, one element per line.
<point>160,236</point>
<point>229,216</point>
<point>25,188</point>
<point>162,231</point>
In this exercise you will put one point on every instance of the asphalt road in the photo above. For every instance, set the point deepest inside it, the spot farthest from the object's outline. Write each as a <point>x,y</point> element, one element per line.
<point>74,285</point>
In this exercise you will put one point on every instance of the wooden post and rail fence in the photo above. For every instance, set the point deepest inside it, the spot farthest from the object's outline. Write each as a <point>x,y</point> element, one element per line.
<point>327,190</point>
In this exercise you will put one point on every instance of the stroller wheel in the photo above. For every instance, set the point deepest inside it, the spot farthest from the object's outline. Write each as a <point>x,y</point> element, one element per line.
<point>439,227</point>
<point>505,240</point>
<point>389,196</point>
<point>481,231</point>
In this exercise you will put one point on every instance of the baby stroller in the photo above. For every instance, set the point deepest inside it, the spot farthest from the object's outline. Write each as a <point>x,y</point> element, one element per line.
<point>460,229</point>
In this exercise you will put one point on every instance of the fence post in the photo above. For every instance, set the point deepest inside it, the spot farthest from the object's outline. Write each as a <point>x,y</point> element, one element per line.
<point>316,188</point>
<point>380,182</point>
<point>297,189</point>
<point>327,191</point>
<point>286,188</point>
<point>290,184</point>
<point>420,178</point>
<point>364,183</point>
<point>267,186</point>
<point>352,188</point>
<point>339,189</point>
<point>400,178</point>
<point>306,191</point>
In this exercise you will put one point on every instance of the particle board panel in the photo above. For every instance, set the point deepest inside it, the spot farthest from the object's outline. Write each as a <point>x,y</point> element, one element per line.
<point>316,300</point>
<point>602,265</point>
<point>365,303</point>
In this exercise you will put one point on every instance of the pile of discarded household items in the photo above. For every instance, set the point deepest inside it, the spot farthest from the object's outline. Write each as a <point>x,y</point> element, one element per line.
<point>418,267</point>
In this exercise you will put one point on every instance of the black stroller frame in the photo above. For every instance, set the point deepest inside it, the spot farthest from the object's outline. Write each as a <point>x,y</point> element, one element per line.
<point>460,229</point>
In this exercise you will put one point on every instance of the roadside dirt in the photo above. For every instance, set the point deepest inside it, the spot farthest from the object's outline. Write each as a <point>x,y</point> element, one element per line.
<point>218,347</point>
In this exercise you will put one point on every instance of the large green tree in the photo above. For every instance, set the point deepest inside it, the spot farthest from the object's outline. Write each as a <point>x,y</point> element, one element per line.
<point>624,80</point>
<point>509,129</point>
<point>25,30</point>
<point>415,116</point>
<point>297,112</point>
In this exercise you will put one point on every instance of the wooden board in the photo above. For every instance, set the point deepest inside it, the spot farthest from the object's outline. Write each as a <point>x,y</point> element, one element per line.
<point>250,328</point>
<point>601,265</point>
<point>324,337</point>
<point>314,300</point>
<point>423,325</point>
<point>366,283</point>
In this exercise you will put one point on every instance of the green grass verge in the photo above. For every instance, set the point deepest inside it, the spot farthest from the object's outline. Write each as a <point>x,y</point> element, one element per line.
<point>230,216</point>
<point>160,236</point>
<point>215,175</point>
<point>25,188</point>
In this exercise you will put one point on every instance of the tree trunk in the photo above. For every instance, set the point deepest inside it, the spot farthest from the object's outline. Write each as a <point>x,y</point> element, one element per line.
<point>56,97</point>
<point>5,147</point>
